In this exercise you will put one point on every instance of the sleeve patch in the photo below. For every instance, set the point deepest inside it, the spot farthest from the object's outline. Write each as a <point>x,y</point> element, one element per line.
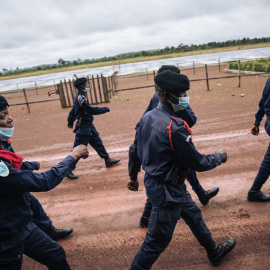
<point>188,138</point>
<point>81,99</point>
<point>4,171</point>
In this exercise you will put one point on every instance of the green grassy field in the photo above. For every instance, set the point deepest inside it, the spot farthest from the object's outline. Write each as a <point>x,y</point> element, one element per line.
<point>138,59</point>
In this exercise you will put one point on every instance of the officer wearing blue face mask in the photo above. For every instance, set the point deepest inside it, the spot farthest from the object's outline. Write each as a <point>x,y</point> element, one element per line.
<point>167,153</point>
<point>181,110</point>
<point>85,130</point>
<point>18,233</point>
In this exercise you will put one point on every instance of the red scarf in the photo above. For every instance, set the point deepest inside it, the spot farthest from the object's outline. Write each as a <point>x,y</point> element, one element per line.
<point>14,159</point>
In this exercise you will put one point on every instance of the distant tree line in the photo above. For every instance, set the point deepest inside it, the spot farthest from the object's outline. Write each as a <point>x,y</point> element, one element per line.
<point>260,65</point>
<point>167,50</point>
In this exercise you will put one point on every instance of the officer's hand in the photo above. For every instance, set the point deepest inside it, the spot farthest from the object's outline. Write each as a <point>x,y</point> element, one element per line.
<point>133,185</point>
<point>255,130</point>
<point>224,155</point>
<point>79,151</point>
<point>70,126</point>
<point>38,165</point>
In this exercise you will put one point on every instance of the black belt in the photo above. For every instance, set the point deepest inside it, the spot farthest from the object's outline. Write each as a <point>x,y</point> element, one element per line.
<point>16,232</point>
<point>87,122</point>
<point>84,121</point>
<point>178,180</point>
<point>268,118</point>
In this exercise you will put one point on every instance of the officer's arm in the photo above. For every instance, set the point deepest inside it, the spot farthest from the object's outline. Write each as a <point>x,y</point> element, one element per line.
<point>134,163</point>
<point>71,117</point>
<point>260,114</point>
<point>187,154</point>
<point>93,110</point>
<point>188,115</point>
<point>26,181</point>
<point>134,166</point>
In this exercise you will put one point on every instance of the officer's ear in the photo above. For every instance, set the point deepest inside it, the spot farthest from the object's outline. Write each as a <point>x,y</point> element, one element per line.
<point>167,95</point>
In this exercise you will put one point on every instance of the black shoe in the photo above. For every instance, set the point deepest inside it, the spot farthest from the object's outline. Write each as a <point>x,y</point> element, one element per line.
<point>257,196</point>
<point>217,254</point>
<point>111,162</point>
<point>58,234</point>
<point>71,175</point>
<point>207,195</point>
<point>145,219</point>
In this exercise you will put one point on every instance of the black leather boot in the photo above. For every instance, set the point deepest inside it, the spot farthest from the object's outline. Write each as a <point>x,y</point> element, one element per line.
<point>207,195</point>
<point>72,176</point>
<point>111,162</point>
<point>58,234</point>
<point>257,196</point>
<point>145,219</point>
<point>217,253</point>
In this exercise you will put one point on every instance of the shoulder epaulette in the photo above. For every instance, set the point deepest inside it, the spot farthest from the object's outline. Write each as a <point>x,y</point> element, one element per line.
<point>81,99</point>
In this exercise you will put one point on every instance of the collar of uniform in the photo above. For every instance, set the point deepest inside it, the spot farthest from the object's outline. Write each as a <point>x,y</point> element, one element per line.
<point>165,108</point>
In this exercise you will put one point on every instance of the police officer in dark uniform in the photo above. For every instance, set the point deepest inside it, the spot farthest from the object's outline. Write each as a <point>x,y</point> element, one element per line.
<point>85,130</point>
<point>18,233</point>
<point>134,164</point>
<point>165,149</point>
<point>40,218</point>
<point>255,194</point>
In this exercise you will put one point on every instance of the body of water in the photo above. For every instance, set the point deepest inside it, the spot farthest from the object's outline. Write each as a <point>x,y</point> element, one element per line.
<point>131,68</point>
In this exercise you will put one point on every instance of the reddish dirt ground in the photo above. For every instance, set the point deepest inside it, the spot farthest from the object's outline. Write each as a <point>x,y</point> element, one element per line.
<point>105,214</point>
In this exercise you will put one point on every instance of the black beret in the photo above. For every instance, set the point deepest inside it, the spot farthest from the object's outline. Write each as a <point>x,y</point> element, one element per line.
<point>175,82</point>
<point>80,81</point>
<point>3,103</point>
<point>169,67</point>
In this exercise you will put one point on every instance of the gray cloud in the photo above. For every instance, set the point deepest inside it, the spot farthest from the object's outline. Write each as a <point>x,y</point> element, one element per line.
<point>40,32</point>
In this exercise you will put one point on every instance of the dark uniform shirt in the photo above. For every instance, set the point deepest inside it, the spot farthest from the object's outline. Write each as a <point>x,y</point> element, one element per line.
<point>162,164</point>
<point>83,112</point>
<point>264,104</point>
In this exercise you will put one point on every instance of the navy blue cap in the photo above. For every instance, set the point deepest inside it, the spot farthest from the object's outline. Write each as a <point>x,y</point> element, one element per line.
<point>172,81</point>
<point>79,82</point>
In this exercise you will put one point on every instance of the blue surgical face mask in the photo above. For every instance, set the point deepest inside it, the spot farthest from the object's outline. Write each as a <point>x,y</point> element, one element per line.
<point>183,102</point>
<point>86,90</point>
<point>6,133</point>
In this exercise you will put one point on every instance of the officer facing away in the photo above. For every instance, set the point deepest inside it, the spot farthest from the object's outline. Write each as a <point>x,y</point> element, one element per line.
<point>18,234</point>
<point>39,217</point>
<point>134,165</point>
<point>85,130</point>
<point>255,194</point>
<point>166,151</point>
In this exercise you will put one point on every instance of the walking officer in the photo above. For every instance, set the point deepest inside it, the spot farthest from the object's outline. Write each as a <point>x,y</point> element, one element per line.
<point>85,130</point>
<point>134,165</point>
<point>39,217</point>
<point>255,194</point>
<point>164,146</point>
<point>18,233</point>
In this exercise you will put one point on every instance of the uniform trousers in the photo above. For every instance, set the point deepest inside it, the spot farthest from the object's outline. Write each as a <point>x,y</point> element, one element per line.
<point>94,140</point>
<point>38,246</point>
<point>264,170</point>
<point>163,219</point>
<point>40,218</point>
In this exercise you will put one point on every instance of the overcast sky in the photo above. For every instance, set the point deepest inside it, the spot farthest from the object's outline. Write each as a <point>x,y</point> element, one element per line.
<point>34,32</point>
